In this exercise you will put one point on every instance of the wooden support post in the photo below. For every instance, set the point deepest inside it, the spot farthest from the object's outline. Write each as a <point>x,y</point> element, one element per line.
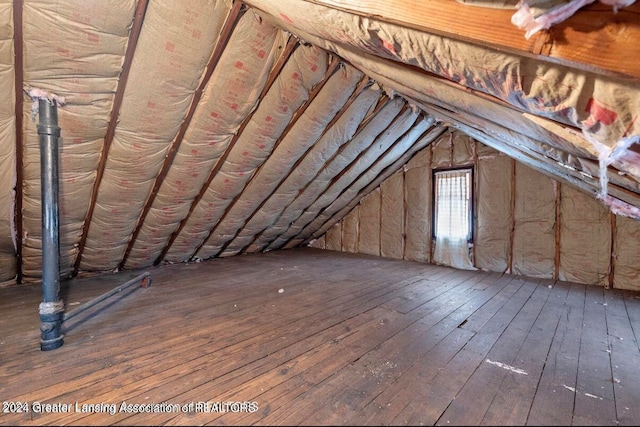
<point>512,218</point>
<point>430,208</point>
<point>557,188</point>
<point>612,263</point>
<point>476,187</point>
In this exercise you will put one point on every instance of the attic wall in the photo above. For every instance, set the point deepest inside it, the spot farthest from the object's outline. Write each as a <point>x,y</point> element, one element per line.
<point>526,223</point>
<point>8,145</point>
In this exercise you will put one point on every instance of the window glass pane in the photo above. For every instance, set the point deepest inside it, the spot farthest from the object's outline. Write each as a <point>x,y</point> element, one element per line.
<point>453,204</point>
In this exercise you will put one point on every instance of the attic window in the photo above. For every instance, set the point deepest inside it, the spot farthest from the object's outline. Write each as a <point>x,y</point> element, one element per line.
<point>452,204</point>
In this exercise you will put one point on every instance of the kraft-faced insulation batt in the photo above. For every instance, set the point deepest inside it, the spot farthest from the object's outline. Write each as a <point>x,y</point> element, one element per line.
<point>369,237</point>
<point>74,49</point>
<point>534,238</point>
<point>226,101</point>
<point>585,238</point>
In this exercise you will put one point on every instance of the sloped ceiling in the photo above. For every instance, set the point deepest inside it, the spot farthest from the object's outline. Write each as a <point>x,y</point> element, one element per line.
<point>200,129</point>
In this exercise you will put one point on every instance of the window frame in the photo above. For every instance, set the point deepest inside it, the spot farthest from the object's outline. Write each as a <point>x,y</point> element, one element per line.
<point>472,203</point>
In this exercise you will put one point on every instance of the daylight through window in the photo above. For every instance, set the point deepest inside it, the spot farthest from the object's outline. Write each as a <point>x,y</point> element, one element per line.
<point>453,204</point>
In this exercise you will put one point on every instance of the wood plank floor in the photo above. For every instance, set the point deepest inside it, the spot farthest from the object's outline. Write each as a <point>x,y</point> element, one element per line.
<point>312,337</point>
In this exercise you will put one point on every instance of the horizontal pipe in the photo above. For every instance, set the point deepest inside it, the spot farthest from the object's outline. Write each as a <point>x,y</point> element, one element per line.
<point>146,282</point>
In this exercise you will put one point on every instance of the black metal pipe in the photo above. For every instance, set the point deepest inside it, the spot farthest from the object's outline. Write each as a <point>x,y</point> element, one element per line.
<point>51,308</point>
<point>146,282</point>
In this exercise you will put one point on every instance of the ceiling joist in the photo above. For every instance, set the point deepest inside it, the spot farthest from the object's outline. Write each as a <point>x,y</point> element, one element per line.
<point>136,28</point>
<point>382,102</point>
<point>364,83</point>
<point>223,39</point>
<point>424,141</point>
<point>292,44</point>
<point>333,67</point>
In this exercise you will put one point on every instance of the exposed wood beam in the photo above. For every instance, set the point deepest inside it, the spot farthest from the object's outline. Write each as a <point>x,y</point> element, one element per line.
<point>398,140</point>
<point>364,83</point>
<point>557,187</point>
<point>512,217</point>
<point>18,49</point>
<point>331,69</point>
<point>225,34</point>
<point>292,44</point>
<point>136,28</point>
<point>572,41</point>
<point>612,262</point>
<point>519,144</point>
<point>495,138</point>
<point>382,101</point>
<point>423,141</point>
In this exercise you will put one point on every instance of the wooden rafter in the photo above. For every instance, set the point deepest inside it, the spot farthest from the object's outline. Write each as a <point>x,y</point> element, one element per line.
<point>18,48</point>
<point>292,44</point>
<point>382,102</point>
<point>333,66</point>
<point>364,83</point>
<point>572,41</point>
<point>225,34</point>
<point>353,163</point>
<point>136,28</point>
<point>423,141</point>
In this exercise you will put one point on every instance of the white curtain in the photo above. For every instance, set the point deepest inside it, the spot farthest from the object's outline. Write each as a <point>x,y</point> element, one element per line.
<point>453,218</point>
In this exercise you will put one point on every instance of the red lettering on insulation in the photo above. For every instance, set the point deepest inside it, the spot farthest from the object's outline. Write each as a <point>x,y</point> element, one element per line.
<point>388,46</point>
<point>261,54</point>
<point>94,38</point>
<point>286,18</point>
<point>239,64</point>
<point>214,114</point>
<point>600,113</point>
<point>170,46</point>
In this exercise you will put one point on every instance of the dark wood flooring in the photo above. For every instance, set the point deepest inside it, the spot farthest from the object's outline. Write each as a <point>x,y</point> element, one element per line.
<point>312,337</point>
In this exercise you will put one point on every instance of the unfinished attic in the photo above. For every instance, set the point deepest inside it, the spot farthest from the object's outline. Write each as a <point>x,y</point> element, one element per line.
<point>320,212</point>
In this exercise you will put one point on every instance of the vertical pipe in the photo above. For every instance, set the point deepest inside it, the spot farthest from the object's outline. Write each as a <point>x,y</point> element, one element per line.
<point>51,308</point>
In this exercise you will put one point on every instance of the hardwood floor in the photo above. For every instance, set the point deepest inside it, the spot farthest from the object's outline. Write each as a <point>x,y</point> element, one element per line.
<point>312,337</point>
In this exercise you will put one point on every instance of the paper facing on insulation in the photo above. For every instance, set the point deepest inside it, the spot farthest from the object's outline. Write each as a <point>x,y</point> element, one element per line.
<point>304,69</point>
<point>392,216</point>
<point>627,248</point>
<point>418,195</point>
<point>333,239</point>
<point>305,201</point>
<point>355,177</point>
<point>343,131</point>
<point>369,220</point>
<point>350,231</point>
<point>227,100</point>
<point>387,165</point>
<point>306,132</point>
<point>150,118</point>
<point>494,213</point>
<point>603,107</point>
<point>8,146</point>
<point>401,144</point>
<point>585,238</point>
<point>78,57</point>
<point>534,238</point>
